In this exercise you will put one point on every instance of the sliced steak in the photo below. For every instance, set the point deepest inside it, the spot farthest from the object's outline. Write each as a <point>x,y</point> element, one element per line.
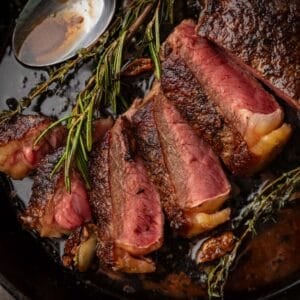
<point>188,175</point>
<point>232,103</point>
<point>126,205</point>
<point>52,210</point>
<point>18,155</point>
<point>263,35</point>
<point>182,89</point>
<point>200,183</point>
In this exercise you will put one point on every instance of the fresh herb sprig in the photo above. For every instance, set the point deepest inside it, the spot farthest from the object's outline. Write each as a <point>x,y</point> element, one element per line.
<point>104,87</point>
<point>262,206</point>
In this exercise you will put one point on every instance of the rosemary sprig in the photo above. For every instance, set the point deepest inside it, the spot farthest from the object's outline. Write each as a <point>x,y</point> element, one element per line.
<point>269,199</point>
<point>104,87</point>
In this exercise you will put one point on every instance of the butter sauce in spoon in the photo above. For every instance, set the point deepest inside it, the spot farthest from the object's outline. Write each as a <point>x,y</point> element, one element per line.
<point>48,32</point>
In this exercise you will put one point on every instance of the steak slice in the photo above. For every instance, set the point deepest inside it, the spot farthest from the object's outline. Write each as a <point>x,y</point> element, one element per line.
<point>237,100</point>
<point>200,183</point>
<point>148,145</point>
<point>18,155</point>
<point>182,89</point>
<point>263,35</point>
<point>126,205</point>
<point>188,175</point>
<point>52,210</point>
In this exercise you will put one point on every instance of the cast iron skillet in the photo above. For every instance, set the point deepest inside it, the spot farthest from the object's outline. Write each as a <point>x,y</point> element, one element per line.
<point>27,270</point>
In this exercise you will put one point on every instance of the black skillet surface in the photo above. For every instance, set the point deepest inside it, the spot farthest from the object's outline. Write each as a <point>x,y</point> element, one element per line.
<point>27,270</point>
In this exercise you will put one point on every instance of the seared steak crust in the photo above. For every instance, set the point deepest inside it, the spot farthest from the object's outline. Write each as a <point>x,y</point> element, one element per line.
<point>263,34</point>
<point>19,125</point>
<point>100,199</point>
<point>44,185</point>
<point>18,153</point>
<point>148,145</point>
<point>183,90</point>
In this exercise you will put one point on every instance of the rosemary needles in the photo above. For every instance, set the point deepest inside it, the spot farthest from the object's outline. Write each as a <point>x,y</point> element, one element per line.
<point>104,87</point>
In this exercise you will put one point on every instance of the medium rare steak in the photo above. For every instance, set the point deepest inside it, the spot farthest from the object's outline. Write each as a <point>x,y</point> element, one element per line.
<point>126,205</point>
<point>188,175</point>
<point>263,35</point>
<point>237,96</point>
<point>52,210</point>
<point>200,183</point>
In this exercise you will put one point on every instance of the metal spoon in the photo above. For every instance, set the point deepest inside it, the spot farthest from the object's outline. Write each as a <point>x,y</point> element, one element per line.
<point>50,31</point>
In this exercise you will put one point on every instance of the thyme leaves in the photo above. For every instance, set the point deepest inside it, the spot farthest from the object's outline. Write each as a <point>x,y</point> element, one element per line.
<point>262,206</point>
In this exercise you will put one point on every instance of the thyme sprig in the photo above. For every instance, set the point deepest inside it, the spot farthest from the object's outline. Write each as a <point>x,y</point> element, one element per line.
<point>262,206</point>
<point>59,74</point>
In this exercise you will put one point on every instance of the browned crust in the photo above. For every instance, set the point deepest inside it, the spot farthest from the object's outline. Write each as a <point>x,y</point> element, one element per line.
<point>43,189</point>
<point>183,90</point>
<point>19,125</point>
<point>100,200</point>
<point>263,34</point>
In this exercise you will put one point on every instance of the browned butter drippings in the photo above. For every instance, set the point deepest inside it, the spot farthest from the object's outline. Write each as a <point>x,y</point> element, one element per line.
<point>52,37</point>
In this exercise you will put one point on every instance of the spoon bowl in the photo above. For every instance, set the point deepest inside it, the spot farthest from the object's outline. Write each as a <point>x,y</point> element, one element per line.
<point>52,31</point>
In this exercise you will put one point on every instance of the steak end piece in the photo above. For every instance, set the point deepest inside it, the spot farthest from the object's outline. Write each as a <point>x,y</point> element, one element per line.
<point>52,210</point>
<point>263,36</point>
